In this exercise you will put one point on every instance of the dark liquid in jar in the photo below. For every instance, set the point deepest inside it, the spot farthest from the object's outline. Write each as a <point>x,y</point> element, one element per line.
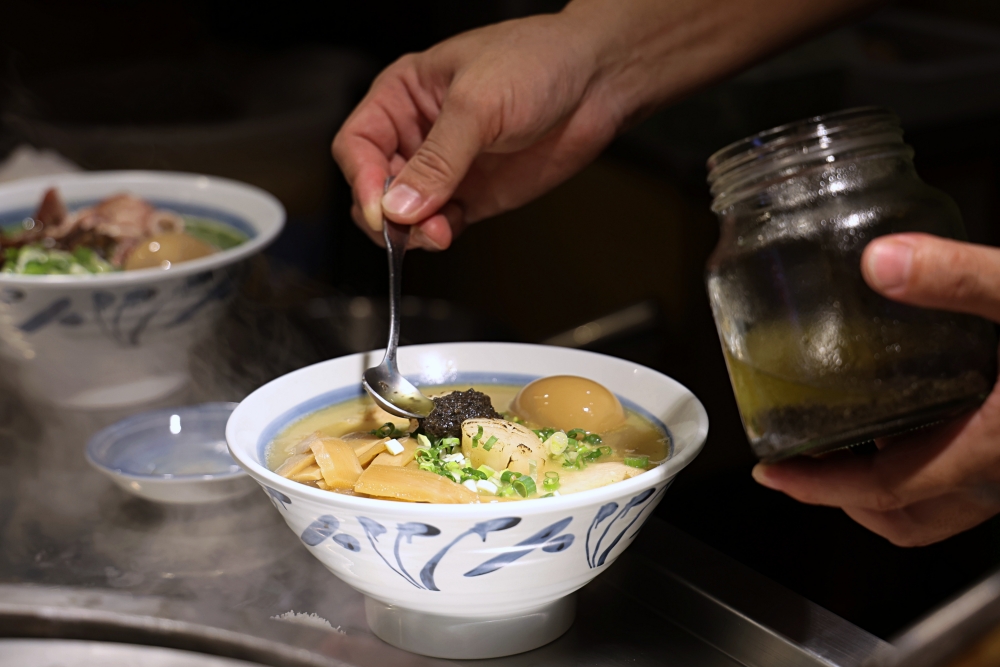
<point>822,362</point>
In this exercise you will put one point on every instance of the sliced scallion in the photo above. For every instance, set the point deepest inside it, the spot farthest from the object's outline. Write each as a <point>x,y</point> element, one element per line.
<point>551,481</point>
<point>637,461</point>
<point>488,445</point>
<point>385,430</point>
<point>544,433</point>
<point>524,486</point>
<point>557,443</point>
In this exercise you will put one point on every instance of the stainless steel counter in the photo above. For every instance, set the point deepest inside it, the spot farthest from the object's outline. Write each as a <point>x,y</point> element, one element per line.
<point>81,559</point>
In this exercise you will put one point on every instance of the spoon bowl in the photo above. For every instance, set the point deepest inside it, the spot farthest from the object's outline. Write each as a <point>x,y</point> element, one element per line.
<point>395,394</point>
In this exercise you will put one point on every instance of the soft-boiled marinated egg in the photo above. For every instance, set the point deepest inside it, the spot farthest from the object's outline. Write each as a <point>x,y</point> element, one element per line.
<point>165,250</point>
<point>567,401</point>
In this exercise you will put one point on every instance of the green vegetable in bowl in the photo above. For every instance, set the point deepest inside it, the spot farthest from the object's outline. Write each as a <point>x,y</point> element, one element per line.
<point>217,234</point>
<point>35,259</point>
<point>121,232</point>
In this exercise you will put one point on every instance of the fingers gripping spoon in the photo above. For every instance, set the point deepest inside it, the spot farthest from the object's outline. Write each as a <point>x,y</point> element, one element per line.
<point>391,391</point>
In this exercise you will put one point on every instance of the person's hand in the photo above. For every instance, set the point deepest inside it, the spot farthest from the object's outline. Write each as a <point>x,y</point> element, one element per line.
<point>488,120</point>
<point>477,125</point>
<point>922,487</point>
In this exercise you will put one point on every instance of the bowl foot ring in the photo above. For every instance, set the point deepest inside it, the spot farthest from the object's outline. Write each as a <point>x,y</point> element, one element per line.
<point>463,638</point>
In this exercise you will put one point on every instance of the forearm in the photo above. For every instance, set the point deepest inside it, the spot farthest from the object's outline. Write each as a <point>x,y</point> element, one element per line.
<point>648,53</point>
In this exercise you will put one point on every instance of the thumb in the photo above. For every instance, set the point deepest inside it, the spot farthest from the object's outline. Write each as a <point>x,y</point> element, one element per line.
<point>932,272</point>
<point>432,175</point>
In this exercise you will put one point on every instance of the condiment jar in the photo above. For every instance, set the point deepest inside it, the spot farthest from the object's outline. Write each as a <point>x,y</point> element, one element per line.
<point>817,359</point>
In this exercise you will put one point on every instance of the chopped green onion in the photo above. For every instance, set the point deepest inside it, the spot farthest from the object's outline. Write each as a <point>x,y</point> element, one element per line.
<point>551,481</point>
<point>488,445</point>
<point>450,442</point>
<point>576,433</point>
<point>506,476</point>
<point>556,443</point>
<point>637,461</point>
<point>605,450</point>
<point>477,436</point>
<point>384,431</point>
<point>593,439</point>
<point>476,474</point>
<point>424,441</point>
<point>486,470</point>
<point>524,485</point>
<point>592,455</point>
<point>544,433</point>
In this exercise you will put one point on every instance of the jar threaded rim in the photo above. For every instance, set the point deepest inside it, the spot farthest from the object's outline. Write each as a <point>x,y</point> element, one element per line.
<point>743,167</point>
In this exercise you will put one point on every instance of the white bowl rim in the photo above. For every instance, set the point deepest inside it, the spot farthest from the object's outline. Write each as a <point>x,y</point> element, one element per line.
<point>582,499</point>
<point>167,478</point>
<point>268,226</point>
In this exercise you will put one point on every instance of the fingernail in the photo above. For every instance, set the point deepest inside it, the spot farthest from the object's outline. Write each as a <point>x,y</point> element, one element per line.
<point>373,216</point>
<point>401,200</point>
<point>759,473</point>
<point>889,264</point>
<point>424,241</point>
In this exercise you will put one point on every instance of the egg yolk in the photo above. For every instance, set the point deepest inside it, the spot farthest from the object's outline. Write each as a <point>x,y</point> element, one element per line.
<point>566,402</point>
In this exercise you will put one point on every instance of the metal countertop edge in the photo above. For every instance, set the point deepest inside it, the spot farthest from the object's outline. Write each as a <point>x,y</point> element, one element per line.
<point>67,615</point>
<point>758,622</point>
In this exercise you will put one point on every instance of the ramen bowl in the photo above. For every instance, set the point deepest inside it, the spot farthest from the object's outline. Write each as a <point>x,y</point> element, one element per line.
<point>468,581</point>
<point>123,338</point>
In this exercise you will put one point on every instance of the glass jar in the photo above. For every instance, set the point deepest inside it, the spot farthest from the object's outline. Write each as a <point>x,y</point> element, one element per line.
<point>817,359</point>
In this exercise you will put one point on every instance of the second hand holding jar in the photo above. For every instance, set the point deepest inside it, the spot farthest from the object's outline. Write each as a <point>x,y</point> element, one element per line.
<point>817,359</point>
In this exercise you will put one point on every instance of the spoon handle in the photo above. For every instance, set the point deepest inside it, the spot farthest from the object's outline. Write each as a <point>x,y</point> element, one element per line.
<point>396,237</point>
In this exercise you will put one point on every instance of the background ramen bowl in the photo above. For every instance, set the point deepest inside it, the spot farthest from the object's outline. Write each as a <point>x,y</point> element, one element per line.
<point>123,338</point>
<point>467,581</point>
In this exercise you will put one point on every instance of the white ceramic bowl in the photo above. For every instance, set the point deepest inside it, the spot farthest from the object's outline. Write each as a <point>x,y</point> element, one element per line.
<point>174,455</point>
<point>467,581</point>
<point>123,338</point>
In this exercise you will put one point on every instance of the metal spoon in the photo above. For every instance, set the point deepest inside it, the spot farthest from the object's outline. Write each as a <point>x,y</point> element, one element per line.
<point>391,391</point>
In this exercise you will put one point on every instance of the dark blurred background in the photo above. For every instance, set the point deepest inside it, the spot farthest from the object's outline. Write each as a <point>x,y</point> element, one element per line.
<point>255,91</point>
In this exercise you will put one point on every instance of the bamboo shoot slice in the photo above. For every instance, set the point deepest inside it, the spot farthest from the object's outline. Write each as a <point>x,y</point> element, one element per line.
<point>367,454</point>
<point>310,474</point>
<point>338,462</point>
<point>295,464</point>
<point>413,485</point>
<point>401,459</point>
<point>305,444</point>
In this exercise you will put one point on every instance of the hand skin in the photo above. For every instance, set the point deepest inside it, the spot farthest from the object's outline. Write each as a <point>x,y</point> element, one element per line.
<point>490,119</point>
<point>926,486</point>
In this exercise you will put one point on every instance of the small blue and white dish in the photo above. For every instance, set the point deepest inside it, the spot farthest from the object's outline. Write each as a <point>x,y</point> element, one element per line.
<point>174,455</point>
